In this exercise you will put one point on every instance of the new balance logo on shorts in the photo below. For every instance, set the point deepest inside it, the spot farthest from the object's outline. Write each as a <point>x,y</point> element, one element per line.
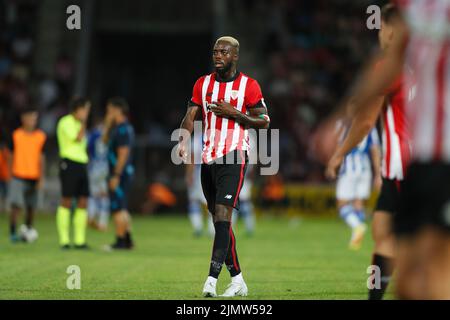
<point>228,196</point>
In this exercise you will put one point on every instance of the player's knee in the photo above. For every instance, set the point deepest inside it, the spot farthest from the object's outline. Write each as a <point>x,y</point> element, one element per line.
<point>223,213</point>
<point>82,203</point>
<point>66,203</point>
<point>381,235</point>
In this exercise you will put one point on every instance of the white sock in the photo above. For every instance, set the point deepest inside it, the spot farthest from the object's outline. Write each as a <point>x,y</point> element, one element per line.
<point>349,215</point>
<point>196,220</point>
<point>250,222</point>
<point>353,220</point>
<point>212,280</point>
<point>237,278</point>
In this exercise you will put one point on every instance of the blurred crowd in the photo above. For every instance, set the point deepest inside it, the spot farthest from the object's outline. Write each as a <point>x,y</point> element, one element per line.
<point>312,49</point>
<point>21,84</point>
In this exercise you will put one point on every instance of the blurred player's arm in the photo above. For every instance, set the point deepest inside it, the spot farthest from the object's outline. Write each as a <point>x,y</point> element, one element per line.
<point>362,122</point>
<point>82,132</point>
<point>123,153</point>
<point>108,124</point>
<point>375,82</point>
<point>375,153</point>
<point>41,180</point>
<point>187,124</point>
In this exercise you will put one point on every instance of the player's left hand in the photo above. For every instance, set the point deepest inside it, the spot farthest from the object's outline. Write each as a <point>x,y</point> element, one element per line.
<point>114,183</point>
<point>377,183</point>
<point>333,166</point>
<point>224,109</point>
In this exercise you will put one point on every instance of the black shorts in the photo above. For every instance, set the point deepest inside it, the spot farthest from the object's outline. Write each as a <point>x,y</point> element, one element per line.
<point>74,179</point>
<point>222,182</point>
<point>425,199</point>
<point>118,199</point>
<point>389,198</point>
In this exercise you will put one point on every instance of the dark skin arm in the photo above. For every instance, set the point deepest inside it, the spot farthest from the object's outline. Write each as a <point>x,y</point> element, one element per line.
<point>122,157</point>
<point>187,124</point>
<point>363,121</point>
<point>251,120</point>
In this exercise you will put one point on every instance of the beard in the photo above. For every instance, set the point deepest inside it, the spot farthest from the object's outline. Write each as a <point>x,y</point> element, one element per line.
<point>222,71</point>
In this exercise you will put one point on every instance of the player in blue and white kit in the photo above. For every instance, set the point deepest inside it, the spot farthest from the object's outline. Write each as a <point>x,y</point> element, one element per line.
<point>98,203</point>
<point>360,169</point>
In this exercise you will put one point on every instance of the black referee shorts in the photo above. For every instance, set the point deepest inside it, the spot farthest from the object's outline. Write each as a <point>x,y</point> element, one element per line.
<point>74,179</point>
<point>425,199</point>
<point>222,182</point>
<point>389,198</point>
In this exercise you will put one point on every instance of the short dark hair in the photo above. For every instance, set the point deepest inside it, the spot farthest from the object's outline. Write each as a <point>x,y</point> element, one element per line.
<point>77,103</point>
<point>119,103</point>
<point>27,110</point>
<point>389,12</point>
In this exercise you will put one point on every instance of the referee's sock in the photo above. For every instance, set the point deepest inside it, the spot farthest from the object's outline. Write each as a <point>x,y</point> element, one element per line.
<point>63,225</point>
<point>232,261</point>
<point>386,266</point>
<point>220,247</point>
<point>80,219</point>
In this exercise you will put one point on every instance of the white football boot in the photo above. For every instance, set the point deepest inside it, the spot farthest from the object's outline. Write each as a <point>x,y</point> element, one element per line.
<point>237,287</point>
<point>209,289</point>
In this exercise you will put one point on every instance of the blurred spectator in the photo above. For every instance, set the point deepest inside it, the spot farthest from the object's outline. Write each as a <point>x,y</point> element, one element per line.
<point>159,198</point>
<point>273,193</point>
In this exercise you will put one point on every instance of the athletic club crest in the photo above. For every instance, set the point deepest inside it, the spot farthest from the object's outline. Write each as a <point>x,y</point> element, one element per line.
<point>234,94</point>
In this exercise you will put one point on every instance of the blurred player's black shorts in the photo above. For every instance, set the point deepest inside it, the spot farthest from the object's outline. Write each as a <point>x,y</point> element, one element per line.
<point>425,199</point>
<point>389,198</point>
<point>118,199</point>
<point>74,179</point>
<point>222,182</point>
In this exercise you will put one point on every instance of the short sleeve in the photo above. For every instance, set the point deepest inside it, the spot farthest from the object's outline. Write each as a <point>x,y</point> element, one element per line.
<point>197,92</point>
<point>123,137</point>
<point>66,128</point>
<point>253,94</point>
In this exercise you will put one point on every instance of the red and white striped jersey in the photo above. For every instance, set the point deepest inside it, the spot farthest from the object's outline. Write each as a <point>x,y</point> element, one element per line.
<point>222,135</point>
<point>396,136</point>
<point>428,54</point>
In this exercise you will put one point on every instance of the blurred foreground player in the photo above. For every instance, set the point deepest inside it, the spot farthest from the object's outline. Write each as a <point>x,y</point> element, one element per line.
<point>390,105</point>
<point>422,225</point>
<point>28,171</point>
<point>119,136</point>
<point>229,102</point>
<point>358,171</point>
<point>72,143</point>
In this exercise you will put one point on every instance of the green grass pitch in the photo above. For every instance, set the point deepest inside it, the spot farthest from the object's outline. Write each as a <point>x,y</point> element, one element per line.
<point>285,259</point>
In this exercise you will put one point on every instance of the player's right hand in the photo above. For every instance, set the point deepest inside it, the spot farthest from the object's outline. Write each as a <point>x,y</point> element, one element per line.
<point>182,151</point>
<point>333,166</point>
